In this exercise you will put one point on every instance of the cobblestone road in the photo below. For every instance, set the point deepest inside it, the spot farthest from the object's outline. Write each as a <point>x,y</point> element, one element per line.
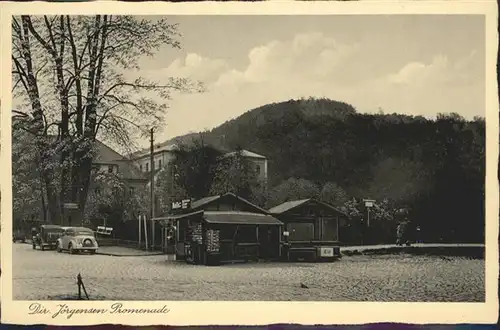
<point>50,275</point>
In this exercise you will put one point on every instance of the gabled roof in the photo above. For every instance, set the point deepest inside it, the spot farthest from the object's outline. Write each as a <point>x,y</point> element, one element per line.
<point>240,218</point>
<point>206,200</point>
<point>290,205</point>
<point>106,155</point>
<point>245,153</point>
<point>287,206</point>
<point>164,146</point>
<point>226,217</point>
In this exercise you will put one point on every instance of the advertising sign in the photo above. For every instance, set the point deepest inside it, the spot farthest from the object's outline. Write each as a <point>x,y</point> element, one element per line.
<point>326,252</point>
<point>184,204</point>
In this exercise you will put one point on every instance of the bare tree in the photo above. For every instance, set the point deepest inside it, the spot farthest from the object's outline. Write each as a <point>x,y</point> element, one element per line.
<point>75,74</point>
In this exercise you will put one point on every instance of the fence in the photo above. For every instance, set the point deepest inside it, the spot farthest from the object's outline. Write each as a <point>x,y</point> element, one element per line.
<point>126,234</point>
<point>127,243</point>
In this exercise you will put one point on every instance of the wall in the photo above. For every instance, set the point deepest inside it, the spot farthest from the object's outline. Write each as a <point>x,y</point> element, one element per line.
<point>105,168</point>
<point>164,156</point>
<point>261,165</point>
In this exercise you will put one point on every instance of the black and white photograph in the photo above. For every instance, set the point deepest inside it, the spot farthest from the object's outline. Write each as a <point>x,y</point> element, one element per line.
<point>274,158</point>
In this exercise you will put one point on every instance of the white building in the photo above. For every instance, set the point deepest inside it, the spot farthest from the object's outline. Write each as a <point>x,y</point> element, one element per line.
<point>259,162</point>
<point>163,155</point>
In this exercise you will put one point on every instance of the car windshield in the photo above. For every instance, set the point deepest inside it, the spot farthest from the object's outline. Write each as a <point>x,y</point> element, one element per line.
<point>84,232</point>
<point>53,230</point>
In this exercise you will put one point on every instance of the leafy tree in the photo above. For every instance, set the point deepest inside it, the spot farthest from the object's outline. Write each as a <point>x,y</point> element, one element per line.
<point>168,190</point>
<point>435,167</point>
<point>27,186</point>
<point>333,194</point>
<point>69,75</point>
<point>114,202</point>
<point>235,174</point>
<point>195,167</point>
<point>293,189</point>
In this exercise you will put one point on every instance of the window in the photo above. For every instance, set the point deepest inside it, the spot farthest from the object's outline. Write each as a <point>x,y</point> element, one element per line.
<point>329,230</point>
<point>140,166</point>
<point>159,163</point>
<point>147,167</point>
<point>257,168</point>
<point>241,234</point>
<point>132,190</point>
<point>246,234</point>
<point>110,168</point>
<point>301,231</point>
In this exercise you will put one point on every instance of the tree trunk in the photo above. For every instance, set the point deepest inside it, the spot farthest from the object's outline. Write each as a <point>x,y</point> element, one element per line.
<point>38,122</point>
<point>83,158</point>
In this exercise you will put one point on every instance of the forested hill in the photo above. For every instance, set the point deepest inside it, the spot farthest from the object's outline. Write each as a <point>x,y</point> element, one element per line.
<point>435,167</point>
<point>229,134</point>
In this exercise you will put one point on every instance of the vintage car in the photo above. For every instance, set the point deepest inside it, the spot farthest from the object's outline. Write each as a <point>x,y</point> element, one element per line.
<point>46,236</point>
<point>77,239</point>
<point>18,236</point>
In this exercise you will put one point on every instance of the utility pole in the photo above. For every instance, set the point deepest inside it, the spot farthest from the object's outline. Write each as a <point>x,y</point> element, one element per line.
<point>152,204</point>
<point>140,234</point>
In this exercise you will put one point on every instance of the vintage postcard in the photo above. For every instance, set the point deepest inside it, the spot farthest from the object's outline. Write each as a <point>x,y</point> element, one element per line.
<point>221,164</point>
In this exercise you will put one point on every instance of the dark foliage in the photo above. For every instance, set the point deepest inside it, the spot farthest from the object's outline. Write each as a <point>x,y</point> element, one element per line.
<point>436,168</point>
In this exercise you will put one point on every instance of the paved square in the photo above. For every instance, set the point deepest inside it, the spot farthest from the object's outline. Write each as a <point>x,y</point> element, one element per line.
<point>43,275</point>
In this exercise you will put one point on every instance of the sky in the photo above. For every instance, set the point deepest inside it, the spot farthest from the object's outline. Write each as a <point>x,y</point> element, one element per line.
<point>409,64</point>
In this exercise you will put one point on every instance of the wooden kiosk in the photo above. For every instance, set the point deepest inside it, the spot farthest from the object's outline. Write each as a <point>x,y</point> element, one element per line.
<point>311,229</point>
<point>225,228</point>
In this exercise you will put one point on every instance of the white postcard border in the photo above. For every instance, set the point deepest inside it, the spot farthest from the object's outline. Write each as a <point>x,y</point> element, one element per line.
<point>261,313</point>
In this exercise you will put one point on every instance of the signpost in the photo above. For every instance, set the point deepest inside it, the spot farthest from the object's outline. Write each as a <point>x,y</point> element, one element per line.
<point>178,207</point>
<point>70,206</point>
<point>104,230</point>
<point>368,204</point>
<point>184,204</point>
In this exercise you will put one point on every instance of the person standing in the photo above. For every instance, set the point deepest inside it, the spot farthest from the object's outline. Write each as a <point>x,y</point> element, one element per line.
<point>418,239</point>
<point>34,233</point>
<point>399,234</point>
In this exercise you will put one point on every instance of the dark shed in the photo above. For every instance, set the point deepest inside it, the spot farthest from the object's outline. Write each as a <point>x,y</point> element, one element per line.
<point>311,229</point>
<point>226,228</point>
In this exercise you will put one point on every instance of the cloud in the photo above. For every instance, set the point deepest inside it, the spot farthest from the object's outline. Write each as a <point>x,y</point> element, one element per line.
<point>312,64</point>
<point>195,67</point>
<point>439,71</point>
<point>311,55</point>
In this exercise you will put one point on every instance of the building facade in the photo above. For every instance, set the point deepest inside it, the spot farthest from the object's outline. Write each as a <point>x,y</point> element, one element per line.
<point>312,229</point>
<point>258,162</point>
<point>162,156</point>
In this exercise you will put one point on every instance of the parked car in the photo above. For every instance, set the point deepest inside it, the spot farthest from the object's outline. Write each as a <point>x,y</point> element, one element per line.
<point>46,236</point>
<point>77,239</point>
<point>18,235</point>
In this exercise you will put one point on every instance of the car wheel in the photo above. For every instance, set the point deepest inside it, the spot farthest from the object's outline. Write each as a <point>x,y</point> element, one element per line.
<point>70,248</point>
<point>58,247</point>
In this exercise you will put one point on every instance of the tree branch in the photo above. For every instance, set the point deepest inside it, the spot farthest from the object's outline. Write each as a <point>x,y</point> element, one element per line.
<point>39,38</point>
<point>49,29</point>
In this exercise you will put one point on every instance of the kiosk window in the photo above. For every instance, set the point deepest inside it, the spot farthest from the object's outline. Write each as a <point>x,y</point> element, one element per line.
<point>301,231</point>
